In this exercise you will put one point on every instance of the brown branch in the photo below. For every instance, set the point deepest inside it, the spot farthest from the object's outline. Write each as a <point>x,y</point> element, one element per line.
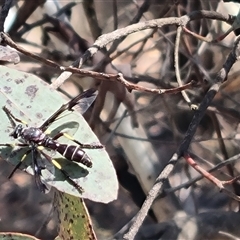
<point>7,40</point>
<point>130,86</point>
<point>211,178</point>
<point>196,179</point>
<point>97,75</point>
<point>105,39</point>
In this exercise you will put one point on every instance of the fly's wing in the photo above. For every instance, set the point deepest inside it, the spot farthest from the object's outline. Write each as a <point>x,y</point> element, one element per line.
<point>84,100</point>
<point>85,103</point>
<point>41,169</point>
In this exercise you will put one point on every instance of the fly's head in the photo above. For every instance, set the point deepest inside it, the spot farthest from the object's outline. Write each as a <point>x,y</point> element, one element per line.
<point>17,132</point>
<point>32,134</point>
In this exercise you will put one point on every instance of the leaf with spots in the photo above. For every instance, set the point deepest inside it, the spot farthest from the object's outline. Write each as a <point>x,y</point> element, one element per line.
<point>73,218</point>
<point>16,236</point>
<point>32,100</point>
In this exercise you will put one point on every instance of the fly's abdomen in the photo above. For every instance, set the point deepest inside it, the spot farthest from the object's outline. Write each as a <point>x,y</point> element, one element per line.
<point>74,153</point>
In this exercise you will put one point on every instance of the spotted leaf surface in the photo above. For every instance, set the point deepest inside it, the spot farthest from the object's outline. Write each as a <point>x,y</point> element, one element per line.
<point>74,220</point>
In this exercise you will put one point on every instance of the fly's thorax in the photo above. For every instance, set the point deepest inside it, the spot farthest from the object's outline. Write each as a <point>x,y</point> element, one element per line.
<point>32,134</point>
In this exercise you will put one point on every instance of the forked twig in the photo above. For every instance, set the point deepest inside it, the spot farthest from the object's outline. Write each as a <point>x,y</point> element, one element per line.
<point>210,177</point>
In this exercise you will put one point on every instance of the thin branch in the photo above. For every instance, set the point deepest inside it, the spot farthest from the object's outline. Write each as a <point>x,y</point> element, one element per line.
<point>97,75</point>
<point>196,179</point>
<point>7,40</point>
<point>210,177</point>
<point>105,39</point>
<point>177,70</point>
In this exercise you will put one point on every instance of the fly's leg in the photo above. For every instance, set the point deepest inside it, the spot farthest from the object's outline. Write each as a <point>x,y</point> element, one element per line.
<point>19,164</point>
<point>82,145</point>
<point>12,117</point>
<point>37,170</point>
<point>14,145</point>
<point>65,174</point>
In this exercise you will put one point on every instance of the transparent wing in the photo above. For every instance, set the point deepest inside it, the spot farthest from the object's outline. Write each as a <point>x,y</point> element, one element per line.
<point>85,103</point>
<point>84,100</point>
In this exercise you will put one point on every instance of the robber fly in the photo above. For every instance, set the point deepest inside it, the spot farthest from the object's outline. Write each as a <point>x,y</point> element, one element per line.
<point>35,137</point>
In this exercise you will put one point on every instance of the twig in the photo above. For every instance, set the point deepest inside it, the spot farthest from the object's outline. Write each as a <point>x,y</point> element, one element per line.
<point>98,75</point>
<point>196,179</point>
<point>105,39</point>
<point>130,86</point>
<point>7,40</point>
<point>177,70</point>
<point>211,178</point>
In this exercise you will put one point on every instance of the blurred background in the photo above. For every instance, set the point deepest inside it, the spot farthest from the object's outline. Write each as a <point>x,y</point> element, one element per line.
<point>140,130</point>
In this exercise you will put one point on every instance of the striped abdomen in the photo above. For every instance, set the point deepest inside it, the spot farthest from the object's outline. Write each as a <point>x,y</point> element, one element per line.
<point>74,153</point>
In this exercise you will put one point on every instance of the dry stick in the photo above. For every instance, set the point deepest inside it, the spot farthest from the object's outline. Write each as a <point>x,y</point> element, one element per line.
<point>223,149</point>
<point>130,86</point>
<point>105,39</point>
<point>98,75</point>
<point>177,70</point>
<point>211,178</point>
<point>157,188</point>
<point>194,180</point>
<point>7,40</point>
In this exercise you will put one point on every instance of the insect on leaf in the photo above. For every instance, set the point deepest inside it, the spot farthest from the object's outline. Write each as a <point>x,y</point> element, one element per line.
<point>31,100</point>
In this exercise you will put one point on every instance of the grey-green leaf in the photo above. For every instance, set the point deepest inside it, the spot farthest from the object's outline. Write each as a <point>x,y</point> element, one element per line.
<point>32,100</point>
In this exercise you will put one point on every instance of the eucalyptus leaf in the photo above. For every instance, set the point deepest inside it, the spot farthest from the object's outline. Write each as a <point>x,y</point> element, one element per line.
<point>74,220</point>
<point>32,100</point>
<point>16,236</point>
